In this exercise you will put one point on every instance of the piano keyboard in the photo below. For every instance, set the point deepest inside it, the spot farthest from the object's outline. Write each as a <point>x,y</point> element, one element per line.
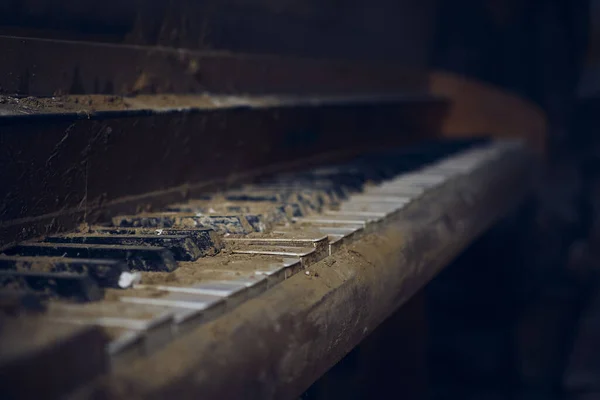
<point>133,285</point>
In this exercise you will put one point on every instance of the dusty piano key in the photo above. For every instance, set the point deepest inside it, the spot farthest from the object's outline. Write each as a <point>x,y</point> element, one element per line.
<point>42,359</point>
<point>333,190</point>
<point>376,215</point>
<point>77,287</point>
<point>341,235</point>
<point>278,271</point>
<point>234,291</point>
<point>307,255</point>
<point>336,190</point>
<point>107,273</point>
<point>269,195</point>
<point>310,199</point>
<point>134,329</point>
<point>250,193</point>
<point>182,247</point>
<point>224,223</point>
<point>318,193</point>
<point>258,222</point>
<point>360,206</point>
<point>407,187</point>
<point>396,199</point>
<point>307,250</point>
<point>183,319</point>
<point>349,177</point>
<point>337,220</point>
<point>232,224</point>
<point>275,213</point>
<point>228,224</point>
<point>424,181</point>
<point>342,217</point>
<point>272,212</point>
<point>397,187</point>
<point>205,239</point>
<point>290,238</point>
<point>226,267</point>
<point>147,220</point>
<point>143,258</point>
<point>196,206</point>
<point>203,307</point>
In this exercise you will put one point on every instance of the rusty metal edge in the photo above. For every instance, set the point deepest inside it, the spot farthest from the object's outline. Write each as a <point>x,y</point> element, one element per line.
<point>278,344</point>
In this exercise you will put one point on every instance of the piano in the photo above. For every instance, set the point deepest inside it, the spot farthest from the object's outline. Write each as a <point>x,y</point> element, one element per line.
<point>202,224</point>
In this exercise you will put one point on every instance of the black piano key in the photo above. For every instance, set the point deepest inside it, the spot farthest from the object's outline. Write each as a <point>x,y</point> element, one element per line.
<point>78,287</point>
<point>257,222</point>
<point>272,212</point>
<point>330,188</point>
<point>105,272</point>
<point>138,258</point>
<point>158,220</point>
<point>182,247</point>
<point>205,209</point>
<point>277,192</point>
<point>225,224</point>
<point>205,239</point>
<point>286,203</point>
<point>232,224</point>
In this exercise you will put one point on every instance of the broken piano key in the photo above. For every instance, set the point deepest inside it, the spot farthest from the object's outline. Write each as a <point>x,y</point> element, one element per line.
<point>107,273</point>
<point>225,224</point>
<point>205,239</point>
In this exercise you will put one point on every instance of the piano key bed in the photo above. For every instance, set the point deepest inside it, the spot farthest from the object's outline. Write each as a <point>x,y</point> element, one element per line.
<point>113,296</point>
